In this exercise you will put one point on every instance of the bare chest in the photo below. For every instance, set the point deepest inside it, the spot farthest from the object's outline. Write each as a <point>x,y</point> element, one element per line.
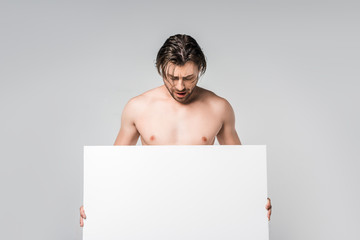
<point>167,126</point>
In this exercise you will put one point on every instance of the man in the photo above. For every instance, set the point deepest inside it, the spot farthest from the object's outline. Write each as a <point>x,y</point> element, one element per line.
<point>178,112</point>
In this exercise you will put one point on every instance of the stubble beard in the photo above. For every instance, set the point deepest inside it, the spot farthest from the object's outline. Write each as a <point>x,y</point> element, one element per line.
<point>184,100</point>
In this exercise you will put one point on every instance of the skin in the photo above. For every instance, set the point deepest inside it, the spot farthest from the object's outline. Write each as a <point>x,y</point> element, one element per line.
<point>178,113</point>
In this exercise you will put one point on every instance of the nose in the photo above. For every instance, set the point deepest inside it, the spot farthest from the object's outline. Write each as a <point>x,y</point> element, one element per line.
<point>179,85</point>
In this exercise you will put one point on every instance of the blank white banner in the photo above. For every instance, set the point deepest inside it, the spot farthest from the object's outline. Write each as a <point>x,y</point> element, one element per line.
<point>175,192</point>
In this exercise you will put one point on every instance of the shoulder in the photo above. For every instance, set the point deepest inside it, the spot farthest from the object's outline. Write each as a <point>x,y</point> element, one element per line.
<point>144,98</point>
<point>141,102</point>
<point>219,104</point>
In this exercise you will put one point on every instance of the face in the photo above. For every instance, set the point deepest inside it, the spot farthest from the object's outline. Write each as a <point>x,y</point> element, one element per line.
<point>181,81</point>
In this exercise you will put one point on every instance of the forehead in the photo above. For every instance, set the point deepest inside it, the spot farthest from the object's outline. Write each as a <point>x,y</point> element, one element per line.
<point>188,68</point>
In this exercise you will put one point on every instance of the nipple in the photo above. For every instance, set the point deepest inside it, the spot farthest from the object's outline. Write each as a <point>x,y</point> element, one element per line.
<point>152,138</point>
<point>204,139</point>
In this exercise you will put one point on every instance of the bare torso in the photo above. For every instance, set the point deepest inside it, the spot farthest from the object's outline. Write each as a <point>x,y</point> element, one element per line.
<point>160,120</point>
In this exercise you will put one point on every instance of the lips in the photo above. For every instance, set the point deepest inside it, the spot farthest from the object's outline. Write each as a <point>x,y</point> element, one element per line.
<point>180,94</point>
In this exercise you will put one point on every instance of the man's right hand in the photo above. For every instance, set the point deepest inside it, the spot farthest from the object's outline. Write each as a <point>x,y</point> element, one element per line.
<point>82,216</point>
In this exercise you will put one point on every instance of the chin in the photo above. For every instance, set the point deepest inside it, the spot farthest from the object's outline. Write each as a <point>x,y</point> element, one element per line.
<point>183,101</point>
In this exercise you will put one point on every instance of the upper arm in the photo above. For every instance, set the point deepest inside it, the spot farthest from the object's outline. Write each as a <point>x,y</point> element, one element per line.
<point>128,134</point>
<point>227,134</point>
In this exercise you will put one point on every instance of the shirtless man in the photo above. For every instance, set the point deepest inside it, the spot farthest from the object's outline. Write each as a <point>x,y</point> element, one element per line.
<point>178,112</point>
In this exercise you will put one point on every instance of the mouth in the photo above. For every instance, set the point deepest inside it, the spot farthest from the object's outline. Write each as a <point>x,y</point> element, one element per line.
<point>180,94</point>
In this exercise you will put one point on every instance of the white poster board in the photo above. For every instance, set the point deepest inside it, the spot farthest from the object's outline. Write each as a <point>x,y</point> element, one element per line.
<point>175,192</point>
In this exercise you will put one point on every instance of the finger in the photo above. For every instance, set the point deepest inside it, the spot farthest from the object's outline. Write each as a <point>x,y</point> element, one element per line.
<point>269,214</point>
<point>82,212</point>
<point>268,204</point>
<point>81,222</point>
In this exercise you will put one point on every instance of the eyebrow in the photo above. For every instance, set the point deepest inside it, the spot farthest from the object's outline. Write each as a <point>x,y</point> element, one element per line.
<point>191,75</point>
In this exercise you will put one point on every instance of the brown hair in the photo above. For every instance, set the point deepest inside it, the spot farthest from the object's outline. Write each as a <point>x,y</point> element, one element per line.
<point>179,49</point>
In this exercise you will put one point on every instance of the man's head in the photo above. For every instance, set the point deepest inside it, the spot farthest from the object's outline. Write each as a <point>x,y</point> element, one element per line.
<point>180,61</point>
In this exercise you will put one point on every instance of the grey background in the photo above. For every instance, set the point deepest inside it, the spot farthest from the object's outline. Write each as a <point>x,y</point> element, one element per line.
<point>290,69</point>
